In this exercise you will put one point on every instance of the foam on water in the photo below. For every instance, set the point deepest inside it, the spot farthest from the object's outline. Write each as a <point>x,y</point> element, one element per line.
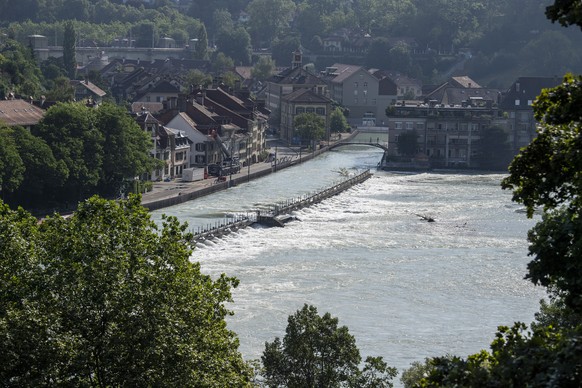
<point>407,289</point>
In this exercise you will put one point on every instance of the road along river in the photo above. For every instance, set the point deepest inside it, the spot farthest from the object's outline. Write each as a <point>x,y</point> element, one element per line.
<point>406,288</point>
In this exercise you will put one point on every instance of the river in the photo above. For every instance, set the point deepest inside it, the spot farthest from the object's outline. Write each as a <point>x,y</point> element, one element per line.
<point>406,288</point>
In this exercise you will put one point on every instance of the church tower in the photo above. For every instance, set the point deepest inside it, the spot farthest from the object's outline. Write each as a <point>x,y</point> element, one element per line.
<point>297,59</point>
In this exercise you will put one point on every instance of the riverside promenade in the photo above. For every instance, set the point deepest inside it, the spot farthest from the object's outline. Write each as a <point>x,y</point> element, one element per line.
<point>165,194</point>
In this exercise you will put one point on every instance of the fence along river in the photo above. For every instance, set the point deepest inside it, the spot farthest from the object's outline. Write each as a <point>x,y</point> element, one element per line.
<point>406,288</point>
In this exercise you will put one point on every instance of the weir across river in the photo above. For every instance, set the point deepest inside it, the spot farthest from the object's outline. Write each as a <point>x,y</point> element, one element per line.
<point>273,216</point>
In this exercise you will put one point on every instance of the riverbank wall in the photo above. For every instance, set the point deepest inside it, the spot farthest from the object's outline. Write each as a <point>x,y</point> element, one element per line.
<point>209,187</point>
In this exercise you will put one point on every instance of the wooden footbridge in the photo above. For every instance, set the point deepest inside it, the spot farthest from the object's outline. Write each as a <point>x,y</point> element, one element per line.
<point>273,215</point>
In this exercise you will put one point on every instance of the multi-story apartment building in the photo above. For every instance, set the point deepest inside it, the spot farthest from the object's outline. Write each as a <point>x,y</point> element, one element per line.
<point>517,105</point>
<point>447,134</point>
<point>303,101</point>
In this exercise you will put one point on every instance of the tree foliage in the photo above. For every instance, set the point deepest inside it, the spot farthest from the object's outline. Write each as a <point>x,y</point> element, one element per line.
<point>19,73</point>
<point>565,12</point>
<point>106,298</point>
<point>407,143</point>
<point>269,19</point>
<point>263,69</point>
<point>316,352</point>
<point>202,43</point>
<point>309,126</point>
<point>337,121</point>
<point>495,150</point>
<point>84,151</point>
<point>69,43</point>
<point>11,165</point>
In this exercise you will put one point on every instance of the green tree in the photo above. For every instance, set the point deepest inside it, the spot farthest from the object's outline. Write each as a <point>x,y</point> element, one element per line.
<point>407,143</point>
<point>198,78</point>
<point>309,127</point>
<point>544,175</point>
<point>222,63</point>
<point>495,149</point>
<point>70,132</point>
<point>282,49</point>
<point>338,122</point>
<point>566,12</point>
<point>263,69</point>
<point>316,352</point>
<point>11,166</point>
<point>41,170</point>
<point>69,43</point>
<point>19,72</point>
<point>378,53</point>
<point>236,44</point>
<point>127,148</point>
<point>61,90</point>
<point>121,303</point>
<point>202,43</point>
<point>269,18</point>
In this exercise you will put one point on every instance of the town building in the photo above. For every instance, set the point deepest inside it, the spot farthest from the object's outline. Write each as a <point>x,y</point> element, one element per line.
<point>288,81</point>
<point>303,101</point>
<point>517,105</point>
<point>354,88</point>
<point>448,134</point>
<point>86,90</point>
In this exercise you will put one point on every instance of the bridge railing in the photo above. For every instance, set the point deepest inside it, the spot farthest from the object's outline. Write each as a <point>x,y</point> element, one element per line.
<point>230,224</point>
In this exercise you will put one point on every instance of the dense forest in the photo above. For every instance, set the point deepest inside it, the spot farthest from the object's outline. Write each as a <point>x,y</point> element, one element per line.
<point>499,40</point>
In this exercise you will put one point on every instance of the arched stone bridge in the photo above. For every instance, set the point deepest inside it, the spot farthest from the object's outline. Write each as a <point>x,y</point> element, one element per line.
<point>360,143</point>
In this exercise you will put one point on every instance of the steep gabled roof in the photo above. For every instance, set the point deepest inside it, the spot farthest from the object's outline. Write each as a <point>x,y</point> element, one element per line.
<point>152,107</point>
<point>306,96</point>
<point>90,86</point>
<point>464,82</point>
<point>525,90</point>
<point>297,76</point>
<point>344,71</point>
<point>19,112</point>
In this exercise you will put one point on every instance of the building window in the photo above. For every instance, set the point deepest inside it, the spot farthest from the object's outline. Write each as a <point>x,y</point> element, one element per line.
<point>409,125</point>
<point>398,125</point>
<point>200,147</point>
<point>365,84</point>
<point>355,85</point>
<point>299,110</point>
<point>419,125</point>
<point>200,159</point>
<point>529,102</point>
<point>355,100</point>
<point>517,102</point>
<point>310,110</point>
<point>320,111</point>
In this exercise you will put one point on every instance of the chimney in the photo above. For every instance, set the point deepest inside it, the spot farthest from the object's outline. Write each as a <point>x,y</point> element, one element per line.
<point>200,97</point>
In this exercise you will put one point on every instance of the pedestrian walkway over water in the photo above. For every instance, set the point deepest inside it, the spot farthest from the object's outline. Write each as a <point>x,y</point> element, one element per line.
<point>273,216</point>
